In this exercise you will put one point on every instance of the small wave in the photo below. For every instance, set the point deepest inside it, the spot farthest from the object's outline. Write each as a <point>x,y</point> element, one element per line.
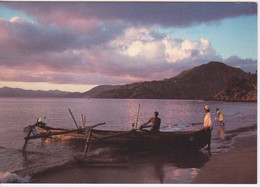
<point>8,177</point>
<point>243,129</point>
<point>178,127</point>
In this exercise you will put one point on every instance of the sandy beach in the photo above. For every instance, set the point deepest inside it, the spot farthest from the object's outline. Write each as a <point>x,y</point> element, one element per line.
<point>238,166</point>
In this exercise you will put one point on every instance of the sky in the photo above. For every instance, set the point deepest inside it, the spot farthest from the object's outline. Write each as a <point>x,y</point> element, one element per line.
<point>75,46</point>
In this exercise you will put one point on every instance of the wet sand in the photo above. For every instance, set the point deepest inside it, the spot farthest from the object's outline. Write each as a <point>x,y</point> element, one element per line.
<point>237,166</point>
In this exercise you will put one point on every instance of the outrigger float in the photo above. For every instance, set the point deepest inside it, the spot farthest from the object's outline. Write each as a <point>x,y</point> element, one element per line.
<point>133,139</point>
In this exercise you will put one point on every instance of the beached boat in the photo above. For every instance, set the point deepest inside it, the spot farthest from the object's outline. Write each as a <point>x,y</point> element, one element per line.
<point>147,140</point>
<point>133,139</point>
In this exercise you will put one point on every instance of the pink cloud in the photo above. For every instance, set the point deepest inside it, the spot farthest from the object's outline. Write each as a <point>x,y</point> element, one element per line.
<point>87,44</point>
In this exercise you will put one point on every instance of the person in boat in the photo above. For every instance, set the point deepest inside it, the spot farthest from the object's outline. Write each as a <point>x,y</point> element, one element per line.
<point>220,117</point>
<point>207,123</point>
<point>42,121</point>
<point>156,122</point>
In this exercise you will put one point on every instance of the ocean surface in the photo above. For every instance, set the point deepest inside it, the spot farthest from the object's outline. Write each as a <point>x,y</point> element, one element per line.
<point>118,114</point>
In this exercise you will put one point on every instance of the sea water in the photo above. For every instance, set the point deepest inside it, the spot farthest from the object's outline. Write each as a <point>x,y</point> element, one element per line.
<point>118,114</point>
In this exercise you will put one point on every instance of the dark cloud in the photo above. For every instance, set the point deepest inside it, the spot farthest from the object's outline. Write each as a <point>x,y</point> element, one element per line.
<point>29,45</point>
<point>167,14</point>
<point>248,65</point>
<point>89,43</point>
<point>28,38</point>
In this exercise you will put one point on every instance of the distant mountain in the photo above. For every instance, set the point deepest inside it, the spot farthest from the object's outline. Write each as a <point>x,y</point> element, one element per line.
<point>211,81</point>
<point>17,92</point>
<point>97,90</point>
<point>201,82</point>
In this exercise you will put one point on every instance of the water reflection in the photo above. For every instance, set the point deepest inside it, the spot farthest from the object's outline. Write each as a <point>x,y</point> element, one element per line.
<point>146,167</point>
<point>150,167</point>
<point>164,166</point>
<point>159,171</point>
<point>221,133</point>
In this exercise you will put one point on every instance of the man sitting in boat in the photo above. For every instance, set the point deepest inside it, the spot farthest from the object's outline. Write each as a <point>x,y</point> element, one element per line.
<point>156,122</point>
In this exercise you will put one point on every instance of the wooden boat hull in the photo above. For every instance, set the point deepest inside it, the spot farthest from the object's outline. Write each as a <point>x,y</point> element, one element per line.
<point>141,140</point>
<point>160,141</point>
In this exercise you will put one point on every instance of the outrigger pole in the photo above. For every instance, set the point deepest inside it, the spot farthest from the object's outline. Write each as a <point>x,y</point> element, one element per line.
<point>49,133</point>
<point>31,127</point>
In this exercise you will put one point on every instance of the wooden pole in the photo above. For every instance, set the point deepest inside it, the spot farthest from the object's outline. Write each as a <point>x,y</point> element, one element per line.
<point>28,135</point>
<point>93,126</point>
<point>46,135</point>
<point>137,117</point>
<point>87,143</point>
<point>26,140</point>
<point>85,121</point>
<point>82,118</point>
<point>73,119</point>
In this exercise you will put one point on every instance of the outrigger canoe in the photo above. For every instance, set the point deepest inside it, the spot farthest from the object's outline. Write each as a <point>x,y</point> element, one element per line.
<point>133,139</point>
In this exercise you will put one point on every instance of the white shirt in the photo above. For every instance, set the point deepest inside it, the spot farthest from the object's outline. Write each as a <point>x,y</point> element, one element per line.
<point>207,120</point>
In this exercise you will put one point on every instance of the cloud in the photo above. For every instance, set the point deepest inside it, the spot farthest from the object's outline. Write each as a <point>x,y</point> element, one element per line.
<point>86,16</point>
<point>108,43</point>
<point>248,65</point>
<point>137,54</point>
<point>30,45</point>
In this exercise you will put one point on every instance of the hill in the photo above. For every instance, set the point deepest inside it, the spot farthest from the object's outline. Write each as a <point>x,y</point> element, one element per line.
<point>201,82</point>
<point>211,81</point>
<point>18,92</point>
<point>97,90</point>
<point>236,89</point>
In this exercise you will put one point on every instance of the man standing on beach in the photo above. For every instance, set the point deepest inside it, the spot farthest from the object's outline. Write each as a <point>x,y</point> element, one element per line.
<point>220,117</point>
<point>207,123</point>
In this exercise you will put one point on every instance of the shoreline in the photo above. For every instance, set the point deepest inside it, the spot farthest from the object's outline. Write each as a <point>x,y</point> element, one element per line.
<point>237,166</point>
